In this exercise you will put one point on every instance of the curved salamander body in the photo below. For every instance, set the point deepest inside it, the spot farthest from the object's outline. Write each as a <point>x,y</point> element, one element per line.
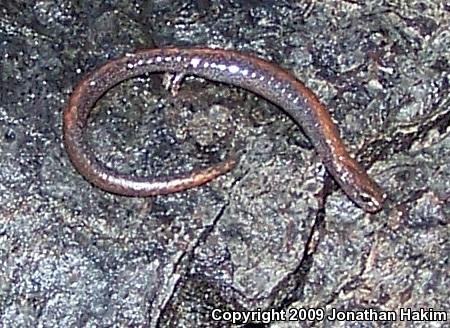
<point>257,75</point>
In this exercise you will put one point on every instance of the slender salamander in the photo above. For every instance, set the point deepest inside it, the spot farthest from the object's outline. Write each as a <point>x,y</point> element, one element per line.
<point>254,74</point>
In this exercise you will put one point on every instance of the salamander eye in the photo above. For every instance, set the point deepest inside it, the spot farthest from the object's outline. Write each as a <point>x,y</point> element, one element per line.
<point>369,201</point>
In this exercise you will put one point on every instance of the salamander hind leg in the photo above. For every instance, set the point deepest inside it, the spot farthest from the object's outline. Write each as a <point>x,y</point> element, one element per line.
<point>172,82</point>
